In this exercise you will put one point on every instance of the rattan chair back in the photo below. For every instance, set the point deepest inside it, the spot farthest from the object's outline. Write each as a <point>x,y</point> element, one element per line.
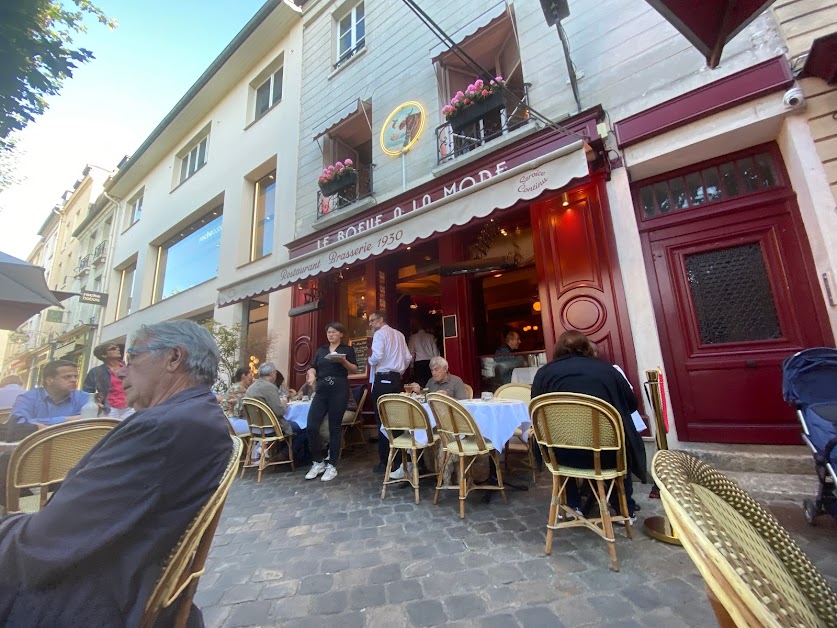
<point>401,412</point>
<point>454,423</point>
<point>520,392</point>
<point>358,413</point>
<point>261,419</point>
<point>576,421</point>
<point>231,427</point>
<point>46,456</point>
<point>469,391</point>
<point>185,563</point>
<point>5,413</point>
<point>748,560</point>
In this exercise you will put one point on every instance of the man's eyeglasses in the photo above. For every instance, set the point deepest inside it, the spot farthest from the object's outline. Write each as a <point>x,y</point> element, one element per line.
<point>131,352</point>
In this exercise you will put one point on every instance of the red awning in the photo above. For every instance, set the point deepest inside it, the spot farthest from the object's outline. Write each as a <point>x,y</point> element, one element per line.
<point>822,60</point>
<point>710,24</point>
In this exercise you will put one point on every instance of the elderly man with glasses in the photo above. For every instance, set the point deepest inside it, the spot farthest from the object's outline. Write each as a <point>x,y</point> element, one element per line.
<point>92,555</point>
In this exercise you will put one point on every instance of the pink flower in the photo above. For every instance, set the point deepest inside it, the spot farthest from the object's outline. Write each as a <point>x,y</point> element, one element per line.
<point>460,95</point>
<point>485,92</point>
<point>349,163</point>
<point>338,165</point>
<point>330,169</point>
<point>499,79</point>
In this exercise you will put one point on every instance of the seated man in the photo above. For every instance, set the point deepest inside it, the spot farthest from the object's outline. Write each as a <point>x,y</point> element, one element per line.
<point>442,381</point>
<point>57,401</point>
<point>92,555</point>
<point>266,389</point>
<point>505,365</point>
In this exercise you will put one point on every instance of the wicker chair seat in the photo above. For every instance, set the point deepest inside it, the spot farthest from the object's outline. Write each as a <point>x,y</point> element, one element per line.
<point>576,472</point>
<point>470,447</point>
<point>405,441</point>
<point>30,503</point>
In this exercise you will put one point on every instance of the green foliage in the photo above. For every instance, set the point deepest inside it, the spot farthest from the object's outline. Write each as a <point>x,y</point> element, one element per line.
<point>37,52</point>
<point>228,340</point>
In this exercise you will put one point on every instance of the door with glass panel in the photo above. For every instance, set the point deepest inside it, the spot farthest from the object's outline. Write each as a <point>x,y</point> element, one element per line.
<point>735,294</point>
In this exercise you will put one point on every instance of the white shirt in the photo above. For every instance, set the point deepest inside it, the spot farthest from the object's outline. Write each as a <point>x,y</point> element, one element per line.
<point>423,346</point>
<point>389,352</point>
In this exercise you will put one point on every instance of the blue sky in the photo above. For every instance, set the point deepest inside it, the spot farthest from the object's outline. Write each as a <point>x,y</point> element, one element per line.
<point>109,107</point>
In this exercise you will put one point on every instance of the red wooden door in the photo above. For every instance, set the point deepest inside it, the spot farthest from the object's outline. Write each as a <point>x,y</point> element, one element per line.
<point>580,286</point>
<point>734,296</point>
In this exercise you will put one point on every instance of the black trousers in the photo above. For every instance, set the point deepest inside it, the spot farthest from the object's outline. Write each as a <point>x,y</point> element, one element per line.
<point>331,399</point>
<point>422,372</point>
<point>385,383</point>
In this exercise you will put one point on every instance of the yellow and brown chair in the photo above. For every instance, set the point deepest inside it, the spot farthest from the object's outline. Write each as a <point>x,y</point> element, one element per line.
<point>461,437</point>
<point>469,392</point>
<point>266,432</point>
<point>570,421</point>
<point>185,564</point>
<point>46,456</point>
<point>518,444</point>
<point>404,418</point>
<point>755,574</point>
<point>5,413</point>
<point>353,421</point>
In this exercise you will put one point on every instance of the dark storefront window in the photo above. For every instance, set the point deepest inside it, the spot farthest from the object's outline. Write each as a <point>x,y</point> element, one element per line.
<point>354,315</point>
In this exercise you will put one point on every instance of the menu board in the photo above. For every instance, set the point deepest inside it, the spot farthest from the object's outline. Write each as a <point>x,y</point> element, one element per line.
<point>361,347</point>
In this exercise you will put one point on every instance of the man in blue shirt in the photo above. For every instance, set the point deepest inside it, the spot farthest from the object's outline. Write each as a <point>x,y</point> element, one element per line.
<point>59,400</point>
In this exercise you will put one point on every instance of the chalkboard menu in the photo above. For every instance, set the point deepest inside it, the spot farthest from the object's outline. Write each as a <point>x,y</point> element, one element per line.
<point>361,347</point>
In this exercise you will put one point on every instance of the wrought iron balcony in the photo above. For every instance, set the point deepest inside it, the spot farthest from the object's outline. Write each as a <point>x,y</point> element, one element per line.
<point>451,144</point>
<point>99,251</point>
<point>327,205</point>
<point>83,265</point>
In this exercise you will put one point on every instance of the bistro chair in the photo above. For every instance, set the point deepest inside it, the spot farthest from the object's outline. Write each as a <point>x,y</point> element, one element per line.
<point>264,430</point>
<point>245,438</point>
<point>5,413</point>
<point>403,419</point>
<point>185,564</point>
<point>353,420</point>
<point>461,437</point>
<point>469,392</point>
<point>46,456</point>
<point>518,444</point>
<point>583,423</point>
<point>755,573</point>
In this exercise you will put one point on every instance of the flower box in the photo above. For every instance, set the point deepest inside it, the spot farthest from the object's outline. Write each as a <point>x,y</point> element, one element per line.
<point>338,184</point>
<point>477,111</point>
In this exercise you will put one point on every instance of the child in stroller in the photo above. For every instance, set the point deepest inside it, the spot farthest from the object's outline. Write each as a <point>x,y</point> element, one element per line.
<point>809,382</point>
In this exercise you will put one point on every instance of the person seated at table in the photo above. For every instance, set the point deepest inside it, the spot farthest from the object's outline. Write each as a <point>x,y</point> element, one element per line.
<point>92,555</point>
<point>576,369</point>
<point>11,387</point>
<point>266,390</point>
<point>231,400</point>
<point>57,401</point>
<point>505,365</point>
<point>442,381</point>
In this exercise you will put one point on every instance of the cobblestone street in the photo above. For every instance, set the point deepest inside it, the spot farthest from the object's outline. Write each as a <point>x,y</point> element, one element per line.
<point>294,553</point>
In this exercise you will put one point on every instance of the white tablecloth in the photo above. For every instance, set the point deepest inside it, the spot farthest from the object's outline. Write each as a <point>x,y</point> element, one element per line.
<point>298,412</point>
<point>497,419</point>
<point>524,375</point>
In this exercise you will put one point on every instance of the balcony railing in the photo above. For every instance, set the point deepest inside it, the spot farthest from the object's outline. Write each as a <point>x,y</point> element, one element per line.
<point>83,265</point>
<point>450,145</point>
<point>99,251</point>
<point>327,205</point>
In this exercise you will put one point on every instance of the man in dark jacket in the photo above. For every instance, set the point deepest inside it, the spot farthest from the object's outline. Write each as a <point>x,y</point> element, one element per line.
<point>92,555</point>
<point>575,369</point>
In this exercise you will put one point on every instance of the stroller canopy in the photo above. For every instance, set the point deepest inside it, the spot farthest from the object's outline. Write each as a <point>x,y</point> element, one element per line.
<point>810,376</point>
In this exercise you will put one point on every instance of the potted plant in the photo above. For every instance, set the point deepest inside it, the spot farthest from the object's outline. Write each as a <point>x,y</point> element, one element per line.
<point>478,100</point>
<point>338,177</point>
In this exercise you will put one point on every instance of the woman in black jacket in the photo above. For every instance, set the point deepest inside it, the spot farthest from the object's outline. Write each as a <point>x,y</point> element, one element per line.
<point>576,369</point>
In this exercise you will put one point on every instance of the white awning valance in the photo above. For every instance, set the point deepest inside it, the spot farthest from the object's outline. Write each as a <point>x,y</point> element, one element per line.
<point>525,182</point>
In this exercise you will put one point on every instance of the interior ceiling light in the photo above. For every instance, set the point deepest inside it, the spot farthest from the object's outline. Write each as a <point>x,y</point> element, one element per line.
<point>413,306</point>
<point>498,275</point>
<point>565,200</point>
<point>535,327</point>
<point>536,306</point>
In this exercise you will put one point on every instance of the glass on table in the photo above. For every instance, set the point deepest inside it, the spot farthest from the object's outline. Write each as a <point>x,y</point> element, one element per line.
<point>487,396</point>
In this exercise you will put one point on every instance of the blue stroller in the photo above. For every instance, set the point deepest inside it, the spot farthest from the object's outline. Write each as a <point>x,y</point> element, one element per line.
<point>810,383</point>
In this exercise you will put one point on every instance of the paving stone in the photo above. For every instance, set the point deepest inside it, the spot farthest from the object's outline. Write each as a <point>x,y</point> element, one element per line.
<point>367,596</point>
<point>538,616</point>
<point>385,573</point>
<point>498,621</point>
<point>277,590</point>
<point>215,616</point>
<point>330,603</point>
<point>464,606</point>
<point>241,593</point>
<point>333,565</point>
<point>426,613</point>
<point>290,608</point>
<point>315,584</point>
<point>250,614</point>
<point>403,591</point>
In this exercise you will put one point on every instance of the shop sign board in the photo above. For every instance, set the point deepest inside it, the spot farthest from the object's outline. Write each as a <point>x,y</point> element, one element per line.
<point>95,298</point>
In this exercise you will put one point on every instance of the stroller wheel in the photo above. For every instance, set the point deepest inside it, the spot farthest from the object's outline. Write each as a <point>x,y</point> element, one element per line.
<point>810,510</point>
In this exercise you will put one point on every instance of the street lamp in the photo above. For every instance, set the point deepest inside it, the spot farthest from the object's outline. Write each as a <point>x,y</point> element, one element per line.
<point>554,11</point>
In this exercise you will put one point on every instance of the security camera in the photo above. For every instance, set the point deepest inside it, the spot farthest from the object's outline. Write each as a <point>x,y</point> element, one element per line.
<point>793,98</point>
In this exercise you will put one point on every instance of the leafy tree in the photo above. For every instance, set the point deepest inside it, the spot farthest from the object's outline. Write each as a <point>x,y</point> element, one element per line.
<point>37,52</point>
<point>228,340</point>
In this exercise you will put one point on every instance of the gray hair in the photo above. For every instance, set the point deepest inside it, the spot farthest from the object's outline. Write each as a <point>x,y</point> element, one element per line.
<point>439,361</point>
<point>267,369</point>
<point>202,355</point>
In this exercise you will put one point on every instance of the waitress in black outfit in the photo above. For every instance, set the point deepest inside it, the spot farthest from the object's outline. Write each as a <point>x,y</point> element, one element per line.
<point>332,397</point>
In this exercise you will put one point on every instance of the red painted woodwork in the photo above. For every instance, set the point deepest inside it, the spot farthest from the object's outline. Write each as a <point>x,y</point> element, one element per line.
<point>822,60</point>
<point>710,24</point>
<point>754,82</point>
<point>460,352</point>
<point>732,391</point>
<point>303,335</point>
<point>580,284</point>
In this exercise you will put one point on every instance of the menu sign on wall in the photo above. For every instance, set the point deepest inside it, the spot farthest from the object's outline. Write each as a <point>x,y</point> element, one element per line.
<point>361,347</point>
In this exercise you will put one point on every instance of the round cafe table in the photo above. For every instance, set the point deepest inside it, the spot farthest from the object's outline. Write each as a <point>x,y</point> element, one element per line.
<point>298,412</point>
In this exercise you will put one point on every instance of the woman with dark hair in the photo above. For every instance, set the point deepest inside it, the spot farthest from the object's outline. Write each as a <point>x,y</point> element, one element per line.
<point>102,380</point>
<point>576,369</point>
<point>231,401</point>
<point>331,367</point>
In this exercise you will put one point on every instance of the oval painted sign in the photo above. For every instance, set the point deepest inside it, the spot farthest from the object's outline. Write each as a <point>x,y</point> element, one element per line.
<point>402,128</point>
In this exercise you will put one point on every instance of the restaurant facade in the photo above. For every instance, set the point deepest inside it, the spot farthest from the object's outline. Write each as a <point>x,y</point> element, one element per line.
<point>681,222</point>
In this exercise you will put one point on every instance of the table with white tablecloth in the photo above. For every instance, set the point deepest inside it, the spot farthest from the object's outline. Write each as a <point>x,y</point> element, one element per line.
<point>298,413</point>
<point>497,419</point>
<point>524,374</point>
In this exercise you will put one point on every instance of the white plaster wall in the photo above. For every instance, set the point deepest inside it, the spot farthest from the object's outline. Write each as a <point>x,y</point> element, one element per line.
<point>238,153</point>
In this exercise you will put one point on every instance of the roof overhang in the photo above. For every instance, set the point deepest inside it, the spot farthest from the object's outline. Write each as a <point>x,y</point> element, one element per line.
<point>273,21</point>
<point>822,60</point>
<point>710,24</point>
